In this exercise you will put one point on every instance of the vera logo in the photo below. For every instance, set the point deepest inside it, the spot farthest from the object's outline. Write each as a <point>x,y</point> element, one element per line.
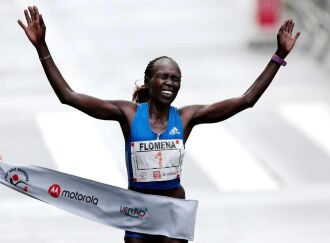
<point>174,131</point>
<point>54,191</point>
<point>18,178</point>
<point>133,212</point>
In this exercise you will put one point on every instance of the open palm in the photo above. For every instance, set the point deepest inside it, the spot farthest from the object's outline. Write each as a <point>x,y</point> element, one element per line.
<point>35,29</point>
<point>285,40</point>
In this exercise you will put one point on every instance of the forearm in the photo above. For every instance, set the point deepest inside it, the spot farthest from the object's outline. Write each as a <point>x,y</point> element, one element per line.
<point>285,43</point>
<point>35,31</point>
<point>263,81</point>
<point>54,76</point>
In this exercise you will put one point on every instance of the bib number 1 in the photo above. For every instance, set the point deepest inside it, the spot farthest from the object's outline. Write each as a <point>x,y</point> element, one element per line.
<point>157,160</point>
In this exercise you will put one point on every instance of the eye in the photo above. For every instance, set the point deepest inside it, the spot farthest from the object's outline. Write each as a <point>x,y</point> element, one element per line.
<point>176,79</point>
<point>164,76</point>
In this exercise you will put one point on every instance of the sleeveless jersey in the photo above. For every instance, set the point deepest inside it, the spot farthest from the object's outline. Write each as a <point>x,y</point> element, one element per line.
<point>154,160</point>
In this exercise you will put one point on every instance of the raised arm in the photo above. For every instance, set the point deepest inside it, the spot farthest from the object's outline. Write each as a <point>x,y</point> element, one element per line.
<point>198,114</point>
<point>98,108</point>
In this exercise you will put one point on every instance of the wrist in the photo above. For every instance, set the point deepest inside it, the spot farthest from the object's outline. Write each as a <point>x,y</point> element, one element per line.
<point>277,59</point>
<point>281,53</point>
<point>40,45</point>
<point>42,50</point>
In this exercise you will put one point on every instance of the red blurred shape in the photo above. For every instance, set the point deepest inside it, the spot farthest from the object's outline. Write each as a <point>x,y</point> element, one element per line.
<point>268,12</point>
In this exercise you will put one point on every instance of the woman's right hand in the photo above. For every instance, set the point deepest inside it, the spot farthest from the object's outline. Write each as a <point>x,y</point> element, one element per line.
<point>36,28</point>
<point>1,158</point>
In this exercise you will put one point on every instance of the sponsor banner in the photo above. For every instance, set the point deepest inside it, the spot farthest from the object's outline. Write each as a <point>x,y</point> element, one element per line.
<point>106,204</point>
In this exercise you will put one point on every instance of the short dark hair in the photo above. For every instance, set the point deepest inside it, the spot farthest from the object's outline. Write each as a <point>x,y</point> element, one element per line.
<point>141,93</point>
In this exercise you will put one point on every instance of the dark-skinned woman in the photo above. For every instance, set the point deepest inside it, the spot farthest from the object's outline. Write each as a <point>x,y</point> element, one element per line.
<point>155,132</point>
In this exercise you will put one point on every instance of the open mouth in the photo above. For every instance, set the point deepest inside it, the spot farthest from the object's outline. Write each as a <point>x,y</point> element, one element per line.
<point>167,92</point>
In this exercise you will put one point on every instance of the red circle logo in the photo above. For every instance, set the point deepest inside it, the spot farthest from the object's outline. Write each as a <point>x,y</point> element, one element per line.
<point>54,191</point>
<point>15,177</point>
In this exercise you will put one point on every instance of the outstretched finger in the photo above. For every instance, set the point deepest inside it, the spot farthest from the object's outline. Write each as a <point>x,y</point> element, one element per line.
<point>292,27</point>
<point>288,24</point>
<point>36,12</point>
<point>297,35</point>
<point>41,20</point>
<point>21,24</point>
<point>32,13</point>
<point>27,16</point>
<point>281,29</point>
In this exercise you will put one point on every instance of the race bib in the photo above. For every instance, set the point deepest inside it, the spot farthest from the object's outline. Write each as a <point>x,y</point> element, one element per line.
<point>157,160</point>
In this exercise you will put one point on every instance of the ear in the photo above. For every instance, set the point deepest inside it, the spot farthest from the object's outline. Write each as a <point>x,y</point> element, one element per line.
<point>146,83</point>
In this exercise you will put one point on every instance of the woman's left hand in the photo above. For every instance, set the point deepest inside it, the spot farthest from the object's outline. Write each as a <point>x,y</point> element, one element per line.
<point>285,40</point>
<point>36,28</point>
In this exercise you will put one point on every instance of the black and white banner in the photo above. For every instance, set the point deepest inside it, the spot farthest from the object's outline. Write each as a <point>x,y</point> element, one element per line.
<point>109,205</point>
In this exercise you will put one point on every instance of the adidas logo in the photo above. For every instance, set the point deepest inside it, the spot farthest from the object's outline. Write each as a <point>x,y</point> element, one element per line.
<point>174,131</point>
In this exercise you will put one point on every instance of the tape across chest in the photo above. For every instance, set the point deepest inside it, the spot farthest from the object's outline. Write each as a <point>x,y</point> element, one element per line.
<point>157,160</point>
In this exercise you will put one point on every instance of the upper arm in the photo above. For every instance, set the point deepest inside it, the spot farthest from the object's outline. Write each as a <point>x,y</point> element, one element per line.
<point>216,112</point>
<point>117,110</point>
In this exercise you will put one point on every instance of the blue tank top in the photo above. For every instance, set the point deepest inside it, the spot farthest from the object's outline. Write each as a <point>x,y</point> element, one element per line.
<point>154,160</point>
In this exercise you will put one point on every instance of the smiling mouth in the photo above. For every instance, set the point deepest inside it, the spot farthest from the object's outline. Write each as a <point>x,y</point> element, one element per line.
<point>167,92</point>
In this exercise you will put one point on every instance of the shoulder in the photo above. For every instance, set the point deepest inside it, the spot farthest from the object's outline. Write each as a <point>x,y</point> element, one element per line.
<point>127,108</point>
<point>125,105</point>
<point>187,113</point>
<point>190,111</point>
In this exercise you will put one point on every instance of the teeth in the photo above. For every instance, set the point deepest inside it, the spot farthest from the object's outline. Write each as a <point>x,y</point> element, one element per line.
<point>167,92</point>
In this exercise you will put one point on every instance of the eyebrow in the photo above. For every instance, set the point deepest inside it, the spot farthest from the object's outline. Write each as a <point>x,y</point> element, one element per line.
<point>166,73</point>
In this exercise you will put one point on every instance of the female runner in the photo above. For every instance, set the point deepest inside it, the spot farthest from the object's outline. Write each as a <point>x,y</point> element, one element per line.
<point>154,131</point>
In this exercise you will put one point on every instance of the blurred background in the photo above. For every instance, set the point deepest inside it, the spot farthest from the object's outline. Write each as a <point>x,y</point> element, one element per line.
<point>261,176</point>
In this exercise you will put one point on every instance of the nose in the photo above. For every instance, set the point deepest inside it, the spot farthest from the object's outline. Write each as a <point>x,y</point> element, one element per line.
<point>169,81</point>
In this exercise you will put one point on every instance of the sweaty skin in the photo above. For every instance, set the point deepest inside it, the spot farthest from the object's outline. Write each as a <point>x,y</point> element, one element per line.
<point>166,77</point>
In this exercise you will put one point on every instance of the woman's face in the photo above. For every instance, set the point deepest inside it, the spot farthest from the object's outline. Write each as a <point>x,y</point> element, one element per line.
<point>165,82</point>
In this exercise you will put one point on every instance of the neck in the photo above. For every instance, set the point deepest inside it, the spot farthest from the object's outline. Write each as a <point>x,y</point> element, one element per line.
<point>158,111</point>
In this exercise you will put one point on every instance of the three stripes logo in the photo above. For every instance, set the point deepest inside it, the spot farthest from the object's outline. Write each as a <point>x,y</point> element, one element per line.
<point>174,131</point>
